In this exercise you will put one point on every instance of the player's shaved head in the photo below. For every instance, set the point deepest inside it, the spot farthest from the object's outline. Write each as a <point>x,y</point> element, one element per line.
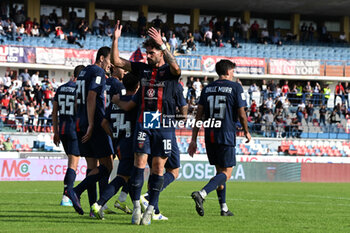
<point>77,70</point>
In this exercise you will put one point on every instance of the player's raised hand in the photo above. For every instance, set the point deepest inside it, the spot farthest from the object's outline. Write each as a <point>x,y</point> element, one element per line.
<point>117,30</point>
<point>56,139</point>
<point>192,148</point>
<point>155,35</point>
<point>88,135</point>
<point>248,137</point>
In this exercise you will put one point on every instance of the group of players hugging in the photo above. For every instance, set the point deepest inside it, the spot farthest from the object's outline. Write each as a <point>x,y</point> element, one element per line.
<point>99,117</point>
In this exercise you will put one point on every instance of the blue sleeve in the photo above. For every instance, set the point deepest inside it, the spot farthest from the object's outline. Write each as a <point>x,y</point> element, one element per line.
<point>180,99</point>
<point>240,97</point>
<point>202,98</point>
<point>97,81</point>
<point>120,89</point>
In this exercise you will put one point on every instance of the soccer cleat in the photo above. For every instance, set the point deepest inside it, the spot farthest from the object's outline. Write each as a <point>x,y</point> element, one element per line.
<point>75,201</point>
<point>226,213</point>
<point>146,218</point>
<point>198,199</point>
<point>66,201</point>
<point>98,211</point>
<point>92,215</point>
<point>144,202</point>
<point>107,210</point>
<point>159,216</point>
<point>122,206</point>
<point>136,216</point>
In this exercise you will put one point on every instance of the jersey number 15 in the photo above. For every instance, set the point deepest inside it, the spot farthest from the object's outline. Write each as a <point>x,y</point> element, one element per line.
<point>217,106</point>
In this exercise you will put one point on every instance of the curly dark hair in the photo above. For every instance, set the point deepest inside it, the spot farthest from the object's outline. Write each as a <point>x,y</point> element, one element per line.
<point>151,43</point>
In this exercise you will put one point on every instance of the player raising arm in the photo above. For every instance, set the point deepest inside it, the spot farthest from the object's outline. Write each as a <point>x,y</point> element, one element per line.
<point>222,100</point>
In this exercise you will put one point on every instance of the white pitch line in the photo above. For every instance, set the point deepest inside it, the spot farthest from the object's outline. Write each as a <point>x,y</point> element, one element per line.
<point>272,201</point>
<point>301,195</point>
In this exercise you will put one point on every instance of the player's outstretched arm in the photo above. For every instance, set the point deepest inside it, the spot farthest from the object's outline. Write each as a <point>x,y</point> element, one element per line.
<point>169,58</point>
<point>115,59</point>
<point>56,137</point>
<point>125,105</point>
<point>192,148</point>
<point>243,119</point>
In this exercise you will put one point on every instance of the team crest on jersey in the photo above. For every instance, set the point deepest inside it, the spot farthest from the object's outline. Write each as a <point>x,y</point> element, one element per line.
<point>150,92</point>
<point>141,138</point>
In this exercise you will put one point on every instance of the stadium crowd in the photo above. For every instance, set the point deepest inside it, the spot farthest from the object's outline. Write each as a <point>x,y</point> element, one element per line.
<point>211,32</point>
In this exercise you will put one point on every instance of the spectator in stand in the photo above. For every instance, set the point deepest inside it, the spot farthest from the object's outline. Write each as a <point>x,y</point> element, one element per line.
<point>24,76</point>
<point>8,144</point>
<point>264,36</point>
<point>269,103</point>
<point>141,23</point>
<point>285,88</point>
<point>253,109</point>
<point>71,39</point>
<point>303,32</point>
<point>268,119</point>
<point>183,46</point>
<point>54,17</point>
<point>83,28</point>
<point>35,31</point>
<point>286,105</point>
<point>323,113</point>
<point>191,46</point>
<point>342,38</point>
<point>276,39</point>
<point>28,26</point>
<point>227,30</point>
<point>334,118</point>
<point>59,33</point>
<point>108,31</point>
<point>12,29</point>
<point>218,39</point>
<point>237,27</point>
<point>339,91</point>
<point>197,36</point>
<point>326,94</point>
<point>307,92</point>
<point>272,89</point>
<point>27,88</point>
<point>311,31</point>
<point>245,29</point>
<point>2,31</point>
<point>197,85</point>
<point>310,112</point>
<point>204,26</point>
<point>205,81</point>
<point>234,43</point>
<point>35,78</point>
<point>173,43</point>
<point>46,28</point>
<point>21,30</point>
<point>254,30</point>
<point>157,22</point>
<point>208,36</point>
<point>7,80</point>
<point>105,19</point>
<point>31,114</point>
<point>253,88</point>
<point>300,114</point>
<point>316,94</point>
<point>347,93</point>
<point>96,24</point>
<point>190,90</point>
<point>71,19</point>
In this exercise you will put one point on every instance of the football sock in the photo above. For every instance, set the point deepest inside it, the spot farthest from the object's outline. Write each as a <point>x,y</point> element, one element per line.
<point>224,207</point>
<point>156,185</point>
<point>222,194</point>
<point>111,189</point>
<point>168,179</point>
<point>214,183</point>
<point>136,204</point>
<point>122,196</point>
<point>102,184</point>
<point>91,190</point>
<point>90,182</point>
<point>69,179</point>
<point>136,183</point>
<point>126,187</point>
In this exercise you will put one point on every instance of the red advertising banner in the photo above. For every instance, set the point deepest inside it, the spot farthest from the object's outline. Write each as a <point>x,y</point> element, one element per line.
<point>294,67</point>
<point>74,57</point>
<point>326,172</point>
<point>244,65</point>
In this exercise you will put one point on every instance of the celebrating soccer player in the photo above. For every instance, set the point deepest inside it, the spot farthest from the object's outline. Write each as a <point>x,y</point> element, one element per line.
<point>221,100</point>
<point>93,141</point>
<point>159,79</point>
<point>64,130</point>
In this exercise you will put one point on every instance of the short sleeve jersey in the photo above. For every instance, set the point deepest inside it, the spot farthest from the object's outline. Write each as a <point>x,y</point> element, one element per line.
<point>113,87</point>
<point>221,101</point>
<point>157,90</point>
<point>65,98</point>
<point>91,78</point>
<point>179,97</point>
<point>122,122</point>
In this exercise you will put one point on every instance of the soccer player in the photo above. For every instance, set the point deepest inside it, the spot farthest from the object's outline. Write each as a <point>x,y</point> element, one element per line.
<point>159,79</point>
<point>222,100</point>
<point>64,129</point>
<point>172,165</point>
<point>94,144</point>
<point>122,124</point>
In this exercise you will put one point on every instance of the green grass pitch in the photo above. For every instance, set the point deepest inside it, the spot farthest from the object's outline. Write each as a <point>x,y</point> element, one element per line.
<point>258,207</point>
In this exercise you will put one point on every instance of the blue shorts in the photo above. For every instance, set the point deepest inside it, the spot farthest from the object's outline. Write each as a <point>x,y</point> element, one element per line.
<point>99,145</point>
<point>70,143</point>
<point>221,155</point>
<point>125,156</point>
<point>154,142</point>
<point>173,161</point>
